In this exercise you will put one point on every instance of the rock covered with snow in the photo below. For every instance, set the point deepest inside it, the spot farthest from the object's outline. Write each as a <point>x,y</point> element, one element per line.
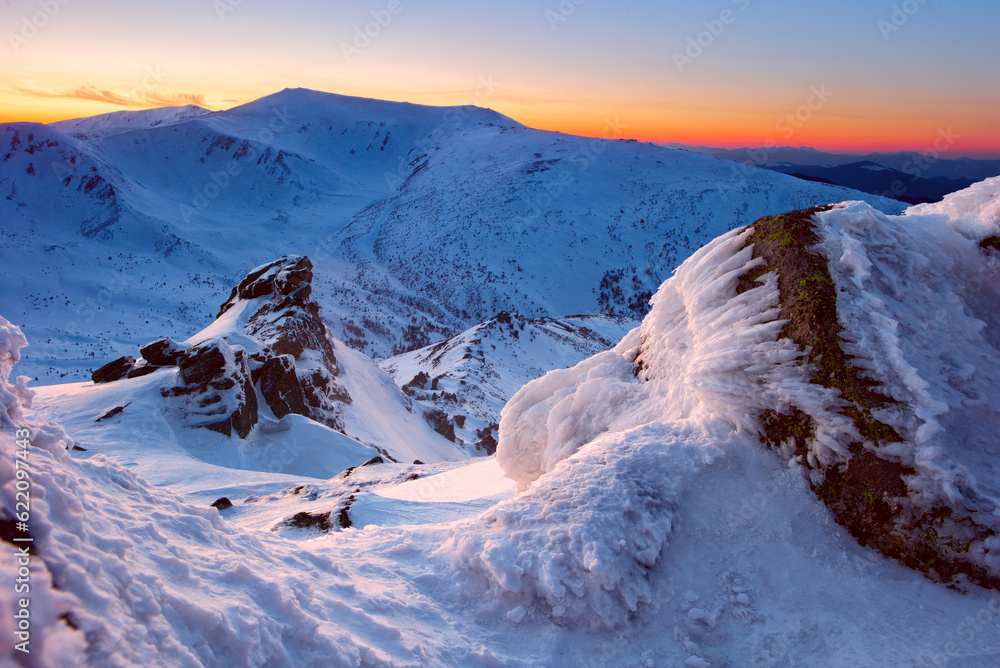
<point>114,370</point>
<point>863,348</point>
<point>164,351</point>
<point>290,360</point>
<point>287,323</point>
<point>216,389</point>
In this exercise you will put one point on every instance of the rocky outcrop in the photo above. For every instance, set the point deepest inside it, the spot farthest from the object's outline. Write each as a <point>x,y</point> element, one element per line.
<point>115,370</point>
<point>867,492</point>
<point>280,387</point>
<point>286,276</point>
<point>294,368</point>
<point>288,326</point>
<point>216,390</point>
<point>162,352</point>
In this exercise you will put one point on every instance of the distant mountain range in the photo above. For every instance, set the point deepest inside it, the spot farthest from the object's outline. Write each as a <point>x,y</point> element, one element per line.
<point>905,176</point>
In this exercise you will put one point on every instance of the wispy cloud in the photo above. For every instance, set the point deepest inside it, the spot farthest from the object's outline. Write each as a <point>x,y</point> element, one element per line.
<point>141,98</point>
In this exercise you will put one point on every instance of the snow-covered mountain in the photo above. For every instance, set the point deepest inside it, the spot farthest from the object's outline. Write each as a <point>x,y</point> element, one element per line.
<point>421,221</point>
<point>784,464</point>
<point>103,125</point>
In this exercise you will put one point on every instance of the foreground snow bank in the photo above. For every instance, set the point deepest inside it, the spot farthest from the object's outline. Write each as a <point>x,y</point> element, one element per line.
<point>47,640</point>
<point>974,212</point>
<point>124,574</point>
<point>603,452</point>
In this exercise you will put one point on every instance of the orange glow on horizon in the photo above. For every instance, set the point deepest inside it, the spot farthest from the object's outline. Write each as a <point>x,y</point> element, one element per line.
<point>720,128</point>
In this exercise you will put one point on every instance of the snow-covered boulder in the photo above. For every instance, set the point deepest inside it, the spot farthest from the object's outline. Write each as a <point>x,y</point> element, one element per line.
<point>216,388</point>
<point>863,348</point>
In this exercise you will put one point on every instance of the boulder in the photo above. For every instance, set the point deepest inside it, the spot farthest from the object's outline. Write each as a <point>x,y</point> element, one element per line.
<point>113,371</point>
<point>216,391</point>
<point>162,352</point>
<point>222,503</point>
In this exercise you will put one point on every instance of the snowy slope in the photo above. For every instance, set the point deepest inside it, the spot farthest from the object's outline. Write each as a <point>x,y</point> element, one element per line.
<point>421,221</point>
<point>473,374</point>
<point>94,127</point>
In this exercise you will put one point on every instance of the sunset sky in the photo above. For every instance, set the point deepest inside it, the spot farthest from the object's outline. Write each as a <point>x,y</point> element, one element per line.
<point>890,74</point>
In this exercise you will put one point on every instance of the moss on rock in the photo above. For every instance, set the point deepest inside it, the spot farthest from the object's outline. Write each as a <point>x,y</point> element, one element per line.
<point>867,494</point>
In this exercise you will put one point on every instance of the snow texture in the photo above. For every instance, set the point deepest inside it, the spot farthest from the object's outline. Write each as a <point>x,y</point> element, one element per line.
<point>704,364</point>
<point>974,212</point>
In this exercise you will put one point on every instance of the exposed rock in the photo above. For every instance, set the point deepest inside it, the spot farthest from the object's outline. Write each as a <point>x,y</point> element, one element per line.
<point>162,352</point>
<point>442,424</point>
<point>289,324</point>
<point>417,382</point>
<point>143,370</point>
<point>295,367</point>
<point>321,392</point>
<point>867,493</point>
<point>113,371</point>
<point>216,388</point>
<point>112,412</point>
<point>344,517</point>
<point>287,276</point>
<point>487,438</point>
<point>990,243</point>
<point>304,520</point>
<point>280,386</point>
<point>222,503</point>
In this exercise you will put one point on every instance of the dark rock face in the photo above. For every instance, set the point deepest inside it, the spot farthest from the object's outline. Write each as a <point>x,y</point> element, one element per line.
<point>162,352</point>
<point>113,371</point>
<point>442,424</point>
<point>280,386</point>
<point>295,368</point>
<point>304,520</point>
<point>222,503</point>
<point>286,276</point>
<point>143,370</point>
<point>216,390</point>
<point>289,325</point>
<point>488,438</point>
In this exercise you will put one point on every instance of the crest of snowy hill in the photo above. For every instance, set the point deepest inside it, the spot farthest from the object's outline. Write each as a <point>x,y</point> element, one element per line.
<point>421,221</point>
<point>863,348</point>
<point>268,366</point>
<point>94,127</point>
<point>469,377</point>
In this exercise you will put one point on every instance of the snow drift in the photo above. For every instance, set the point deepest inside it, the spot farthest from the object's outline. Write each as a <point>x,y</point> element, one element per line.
<point>604,452</point>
